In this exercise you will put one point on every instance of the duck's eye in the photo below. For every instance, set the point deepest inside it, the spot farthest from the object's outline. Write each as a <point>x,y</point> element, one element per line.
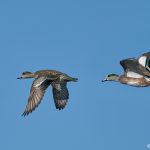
<point>110,75</point>
<point>25,72</point>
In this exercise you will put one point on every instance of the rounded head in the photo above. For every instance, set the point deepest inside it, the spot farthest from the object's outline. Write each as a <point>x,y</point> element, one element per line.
<point>111,77</point>
<point>26,74</point>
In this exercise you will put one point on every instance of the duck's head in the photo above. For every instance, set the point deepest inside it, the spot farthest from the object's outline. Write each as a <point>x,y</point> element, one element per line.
<point>111,77</point>
<point>26,74</point>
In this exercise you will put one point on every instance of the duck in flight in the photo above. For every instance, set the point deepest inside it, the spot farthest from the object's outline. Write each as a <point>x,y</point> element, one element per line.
<point>43,79</point>
<point>136,71</point>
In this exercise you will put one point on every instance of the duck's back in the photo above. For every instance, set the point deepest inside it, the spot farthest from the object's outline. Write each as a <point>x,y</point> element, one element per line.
<point>47,72</point>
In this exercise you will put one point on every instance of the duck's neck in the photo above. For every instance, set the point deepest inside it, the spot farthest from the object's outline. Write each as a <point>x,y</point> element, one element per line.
<point>31,75</point>
<point>115,78</point>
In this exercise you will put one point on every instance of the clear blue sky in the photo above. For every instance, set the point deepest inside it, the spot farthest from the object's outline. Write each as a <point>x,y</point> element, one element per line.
<point>85,39</point>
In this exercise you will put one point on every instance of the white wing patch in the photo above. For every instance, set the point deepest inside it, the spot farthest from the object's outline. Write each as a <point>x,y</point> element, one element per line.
<point>142,60</point>
<point>39,81</point>
<point>133,75</point>
<point>147,79</point>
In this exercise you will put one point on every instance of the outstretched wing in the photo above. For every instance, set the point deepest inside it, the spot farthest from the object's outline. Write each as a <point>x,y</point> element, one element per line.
<point>144,60</point>
<point>60,94</point>
<point>132,65</point>
<point>37,91</point>
<point>146,54</point>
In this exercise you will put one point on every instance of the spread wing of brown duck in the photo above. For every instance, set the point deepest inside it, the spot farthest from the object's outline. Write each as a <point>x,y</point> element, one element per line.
<point>60,94</point>
<point>37,92</point>
<point>132,65</point>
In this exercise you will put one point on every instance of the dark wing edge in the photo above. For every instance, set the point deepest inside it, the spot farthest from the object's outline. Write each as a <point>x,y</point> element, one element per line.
<point>127,63</point>
<point>147,54</point>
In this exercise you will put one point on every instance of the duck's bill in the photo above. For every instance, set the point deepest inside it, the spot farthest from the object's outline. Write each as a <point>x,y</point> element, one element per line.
<point>104,80</point>
<point>19,78</point>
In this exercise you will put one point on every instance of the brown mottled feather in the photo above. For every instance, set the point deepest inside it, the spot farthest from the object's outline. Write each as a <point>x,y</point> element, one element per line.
<point>47,72</point>
<point>60,93</point>
<point>134,81</point>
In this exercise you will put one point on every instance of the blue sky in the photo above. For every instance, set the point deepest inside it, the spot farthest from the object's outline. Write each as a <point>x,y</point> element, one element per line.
<point>85,39</point>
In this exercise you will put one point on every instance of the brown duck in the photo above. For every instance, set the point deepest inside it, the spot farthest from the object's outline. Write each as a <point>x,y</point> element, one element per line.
<point>43,79</point>
<point>136,71</point>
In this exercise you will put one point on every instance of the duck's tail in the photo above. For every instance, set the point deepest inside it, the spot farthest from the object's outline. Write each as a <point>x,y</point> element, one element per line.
<point>68,78</point>
<point>72,79</point>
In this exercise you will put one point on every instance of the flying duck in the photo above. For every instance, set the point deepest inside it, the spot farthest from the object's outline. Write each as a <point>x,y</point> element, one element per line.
<point>136,71</point>
<point>43,79</point>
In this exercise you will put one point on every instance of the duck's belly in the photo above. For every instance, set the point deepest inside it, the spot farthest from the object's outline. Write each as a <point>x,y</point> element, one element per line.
<point>138,82</point>
<point>134,83</point>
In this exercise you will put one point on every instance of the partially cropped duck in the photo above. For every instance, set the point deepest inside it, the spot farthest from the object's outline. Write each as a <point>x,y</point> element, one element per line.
<point>136,71</point>
<point>43,79</point>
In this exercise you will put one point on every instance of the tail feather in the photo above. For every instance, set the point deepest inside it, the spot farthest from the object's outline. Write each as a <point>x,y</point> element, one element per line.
<point>60,104</point>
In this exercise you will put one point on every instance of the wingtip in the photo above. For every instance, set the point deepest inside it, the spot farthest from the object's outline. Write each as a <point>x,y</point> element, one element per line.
<point>24,114</point>
<point>60,104</point>
<point>60,108</point>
